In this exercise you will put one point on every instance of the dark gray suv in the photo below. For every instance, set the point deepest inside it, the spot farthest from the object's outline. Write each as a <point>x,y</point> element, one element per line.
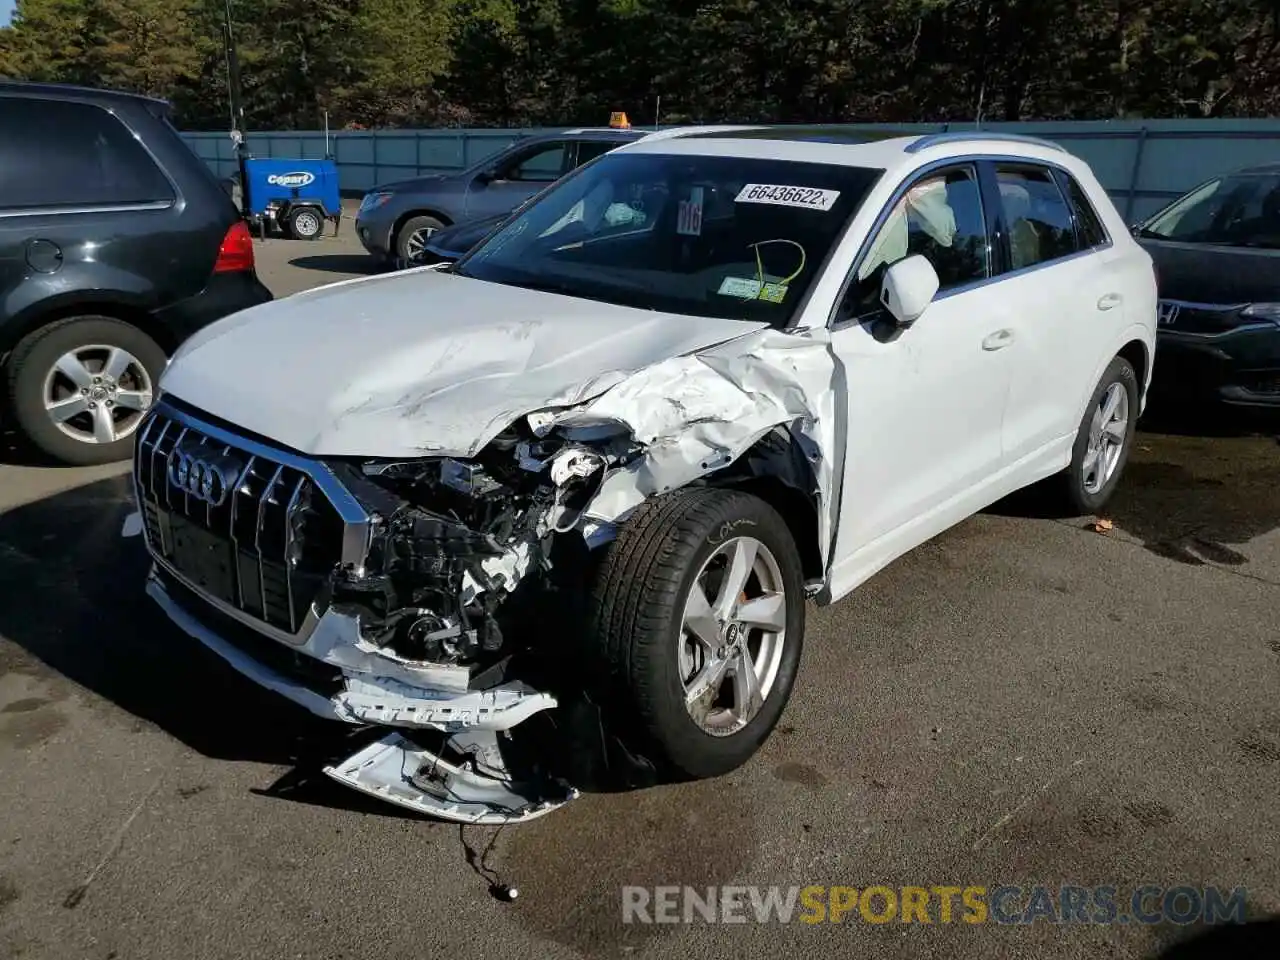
<point>116,244</point>
<point>396,219</point>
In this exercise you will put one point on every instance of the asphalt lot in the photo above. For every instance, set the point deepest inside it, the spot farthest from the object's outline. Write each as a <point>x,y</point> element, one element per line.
<point>1023,700</point>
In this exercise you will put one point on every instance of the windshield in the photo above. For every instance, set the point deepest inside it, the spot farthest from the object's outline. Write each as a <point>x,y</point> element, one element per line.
<point>1242,211</point>
<point>732,237</point>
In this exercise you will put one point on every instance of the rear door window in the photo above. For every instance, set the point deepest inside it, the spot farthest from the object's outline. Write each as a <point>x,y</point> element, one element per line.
<point>57,153</point>
<point>590,149</point>
<point>1037,218</point>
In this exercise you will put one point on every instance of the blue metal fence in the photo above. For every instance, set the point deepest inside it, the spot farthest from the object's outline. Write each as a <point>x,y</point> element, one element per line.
<point>1143,164</point>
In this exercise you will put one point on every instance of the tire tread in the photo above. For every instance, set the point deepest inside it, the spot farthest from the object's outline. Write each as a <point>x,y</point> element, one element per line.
<point>637,590</point>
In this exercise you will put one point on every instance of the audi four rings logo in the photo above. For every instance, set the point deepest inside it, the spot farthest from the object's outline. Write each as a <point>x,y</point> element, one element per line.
<point>204,475</point>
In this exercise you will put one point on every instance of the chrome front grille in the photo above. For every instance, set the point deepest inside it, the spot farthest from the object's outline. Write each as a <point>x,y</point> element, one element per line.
<point>255,530</point>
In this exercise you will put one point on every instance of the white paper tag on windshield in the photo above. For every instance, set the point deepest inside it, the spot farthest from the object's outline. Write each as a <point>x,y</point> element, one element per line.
<point>689,214</point>
<point>809,198</point>
<point>739,287</point>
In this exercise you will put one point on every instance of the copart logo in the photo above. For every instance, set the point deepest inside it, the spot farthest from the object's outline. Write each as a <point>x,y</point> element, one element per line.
<point>291,179</point>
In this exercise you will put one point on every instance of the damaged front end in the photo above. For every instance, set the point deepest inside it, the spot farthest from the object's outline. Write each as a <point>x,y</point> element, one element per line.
<point>459,581</point>
<point>439,595</point>
<point>446,621</point>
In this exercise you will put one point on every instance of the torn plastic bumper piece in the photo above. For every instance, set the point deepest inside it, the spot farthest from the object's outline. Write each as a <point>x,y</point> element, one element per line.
<point>478,791</point>
<point>393,704</point>
<point>396,769</point>
<point>367,698</point>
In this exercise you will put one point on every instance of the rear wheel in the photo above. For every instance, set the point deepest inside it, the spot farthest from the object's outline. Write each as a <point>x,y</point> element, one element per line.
<point>305,223</point>
<point>411,241</point>
<point>1103,441</point>
<point>697,621</point>
<point>79,388</point>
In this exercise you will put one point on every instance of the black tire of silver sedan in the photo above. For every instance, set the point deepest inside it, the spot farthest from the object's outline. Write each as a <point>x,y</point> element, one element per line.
<point>412,239</point>
<point>697,621</point>
<point>1103,440</point>
<point>79,388</point>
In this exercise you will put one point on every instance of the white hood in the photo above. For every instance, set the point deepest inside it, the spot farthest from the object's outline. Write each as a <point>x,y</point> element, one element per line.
<point>419,363</point>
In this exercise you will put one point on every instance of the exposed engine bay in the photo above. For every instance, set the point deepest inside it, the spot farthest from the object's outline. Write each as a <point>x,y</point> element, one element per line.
<point>452,539</point>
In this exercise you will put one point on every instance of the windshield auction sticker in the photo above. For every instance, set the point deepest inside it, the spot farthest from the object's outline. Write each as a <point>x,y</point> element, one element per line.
<point>808,198</point>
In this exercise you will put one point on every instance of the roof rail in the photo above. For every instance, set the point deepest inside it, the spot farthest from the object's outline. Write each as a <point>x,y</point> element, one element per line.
<point>670,133</point>
<point>960,136</point>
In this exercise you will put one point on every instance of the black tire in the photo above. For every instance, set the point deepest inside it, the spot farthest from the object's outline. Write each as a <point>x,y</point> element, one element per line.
<point>635,613</point>
<point>1071,487</point>
<point>305,223</point>
<point>34,358</point>
<point>408,229</point>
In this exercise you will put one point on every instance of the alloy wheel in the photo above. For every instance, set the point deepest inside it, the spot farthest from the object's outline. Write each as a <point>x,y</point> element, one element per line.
<point>732,636</point>
<point>97,393</point>
<point>1108,432</point>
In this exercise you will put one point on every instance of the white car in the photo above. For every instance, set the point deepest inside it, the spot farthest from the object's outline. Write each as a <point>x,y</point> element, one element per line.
<point>595,468</point>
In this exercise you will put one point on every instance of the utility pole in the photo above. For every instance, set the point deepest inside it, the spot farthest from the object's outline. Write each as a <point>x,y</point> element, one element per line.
<point>237,107</point>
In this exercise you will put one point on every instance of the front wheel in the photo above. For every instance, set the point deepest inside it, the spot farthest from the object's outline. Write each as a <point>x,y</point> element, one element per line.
<point>1103,440</point>
<point>697,621</point>
<point>411,241</point>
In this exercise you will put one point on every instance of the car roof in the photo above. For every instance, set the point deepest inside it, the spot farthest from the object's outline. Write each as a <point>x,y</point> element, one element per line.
<point>71,91</point>
<point>883,149</point>
<point>596,133</point>
<point>881,153</point>
<point>1262,168</point>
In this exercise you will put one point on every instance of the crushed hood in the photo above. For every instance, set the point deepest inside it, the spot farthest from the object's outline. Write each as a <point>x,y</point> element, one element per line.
<point>419,363</point>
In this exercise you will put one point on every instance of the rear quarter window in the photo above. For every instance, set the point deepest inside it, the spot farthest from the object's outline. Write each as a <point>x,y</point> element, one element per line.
<point>1088,224</point>
<point>57,153</point>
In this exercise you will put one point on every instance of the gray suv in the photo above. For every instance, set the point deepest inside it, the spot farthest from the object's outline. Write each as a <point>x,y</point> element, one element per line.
<point>396,219</point>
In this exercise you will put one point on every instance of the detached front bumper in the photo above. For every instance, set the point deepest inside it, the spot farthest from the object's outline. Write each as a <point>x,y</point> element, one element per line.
<point>396,768</point>
<point>333,677</point>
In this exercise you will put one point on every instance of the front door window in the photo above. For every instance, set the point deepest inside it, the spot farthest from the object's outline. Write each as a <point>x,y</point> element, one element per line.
<point>940,216</point>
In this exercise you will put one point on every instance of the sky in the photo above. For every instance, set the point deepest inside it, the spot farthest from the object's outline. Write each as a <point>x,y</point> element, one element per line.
<point>6,11</point>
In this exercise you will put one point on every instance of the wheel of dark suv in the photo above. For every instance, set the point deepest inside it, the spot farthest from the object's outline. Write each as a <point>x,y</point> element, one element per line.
<point>1103,440</point>
<point>411,241</point>
<point>79,387</point>
<point>305,223</point>
<point>697,619</point>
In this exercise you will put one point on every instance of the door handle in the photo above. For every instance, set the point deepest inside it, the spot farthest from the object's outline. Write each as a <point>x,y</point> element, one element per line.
<point>998,340</point>
<point>1110,301</point>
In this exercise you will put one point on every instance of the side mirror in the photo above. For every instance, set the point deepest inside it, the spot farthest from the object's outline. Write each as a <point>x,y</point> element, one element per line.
<point>909,286</point>
<point>487,175</point>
